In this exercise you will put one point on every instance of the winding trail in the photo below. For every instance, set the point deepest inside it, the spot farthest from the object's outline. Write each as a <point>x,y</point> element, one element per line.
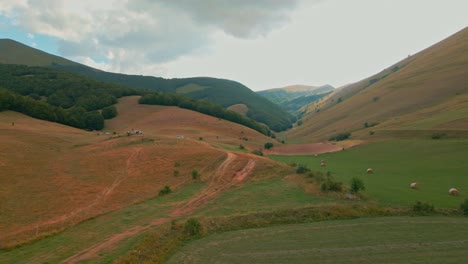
<point>219,182</point>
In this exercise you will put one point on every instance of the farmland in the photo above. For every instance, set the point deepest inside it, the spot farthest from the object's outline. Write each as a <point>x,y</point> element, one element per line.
<point>365,240</point>
<point>437,165</point>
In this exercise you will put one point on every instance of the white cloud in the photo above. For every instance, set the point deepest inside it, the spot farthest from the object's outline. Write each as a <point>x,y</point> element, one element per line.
<point>143,32</point>
<point>30,36</point>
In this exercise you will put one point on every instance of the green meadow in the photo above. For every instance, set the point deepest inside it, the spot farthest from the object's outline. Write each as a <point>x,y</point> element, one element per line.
<point>364,240</point>
<point>436,165</point>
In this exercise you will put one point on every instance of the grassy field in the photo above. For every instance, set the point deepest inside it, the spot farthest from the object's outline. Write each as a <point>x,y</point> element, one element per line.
<point>58,247</point>
<point>437,165</point>
<point>366,240</point>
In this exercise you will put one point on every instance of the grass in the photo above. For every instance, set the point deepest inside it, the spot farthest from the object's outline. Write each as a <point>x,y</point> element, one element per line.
<point>366,240</point>
<point>437,165</point>
<point>58,247</point>
<point>266,195</point>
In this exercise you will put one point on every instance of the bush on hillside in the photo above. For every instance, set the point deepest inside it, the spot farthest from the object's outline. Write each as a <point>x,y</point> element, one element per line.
<point>192,227</point>
<point>421,207</point>
<point>464,207</point>
<point>268,145</point>
<point>357,185</point>
<point>331,185</point>
<point>340,137</point>
<point>195,175</point>
<point>165,190</point>
<point>257,152</point>
<point>301,168</point>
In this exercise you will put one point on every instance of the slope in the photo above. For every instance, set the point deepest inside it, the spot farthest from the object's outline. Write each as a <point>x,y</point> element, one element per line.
<point>73,175</point>
<point>294,97</point>
<point>432,79</point>
<point>219,91</point>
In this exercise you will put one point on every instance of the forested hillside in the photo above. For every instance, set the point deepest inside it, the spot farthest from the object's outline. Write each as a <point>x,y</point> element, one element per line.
<point>222,92</point>
<point>74,100</point>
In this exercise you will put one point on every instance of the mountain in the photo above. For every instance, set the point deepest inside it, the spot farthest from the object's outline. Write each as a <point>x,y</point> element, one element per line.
<point>293,98</point>
<point>222,92</point>
<point>426,91</point>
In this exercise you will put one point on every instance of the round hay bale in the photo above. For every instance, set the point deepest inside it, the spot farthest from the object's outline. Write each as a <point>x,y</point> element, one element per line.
<point>370,171</point>
<point>323,164</point>
<point>414,185</point>
<point>453,192</point>
<point>316,155</point>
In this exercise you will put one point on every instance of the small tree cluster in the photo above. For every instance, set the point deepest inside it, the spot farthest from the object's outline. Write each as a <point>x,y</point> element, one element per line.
<point>464,207</point>
<point>331,185</point>
<point>192,227</point>
<point>257,152</point>
<point>340,137</point>
<point>421,207</point>
<point>357,185</point>
<point>268,145</point>
<point>195,175</point>
<point>165,190</point>
<point>301,168</point>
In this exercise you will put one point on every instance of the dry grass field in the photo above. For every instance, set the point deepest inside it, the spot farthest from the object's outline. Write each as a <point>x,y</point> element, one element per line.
<point>54,176</point>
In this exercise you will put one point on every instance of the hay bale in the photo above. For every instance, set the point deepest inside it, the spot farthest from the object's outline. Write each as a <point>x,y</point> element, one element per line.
<point>323,161</point>
<point>323,164</point>
<point>370,171</point>
<point>453,192</point>
<point>414,185</point>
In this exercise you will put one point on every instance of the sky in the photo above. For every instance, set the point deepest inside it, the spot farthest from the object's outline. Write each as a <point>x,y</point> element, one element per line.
<point>262,44</point>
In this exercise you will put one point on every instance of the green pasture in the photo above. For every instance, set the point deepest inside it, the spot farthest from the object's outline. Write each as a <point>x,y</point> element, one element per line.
<point>365,240</point>
<point>436,165</point>
<point>265,195</point>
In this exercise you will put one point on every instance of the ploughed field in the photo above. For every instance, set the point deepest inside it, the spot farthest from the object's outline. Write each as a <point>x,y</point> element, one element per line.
<point>365,240</point>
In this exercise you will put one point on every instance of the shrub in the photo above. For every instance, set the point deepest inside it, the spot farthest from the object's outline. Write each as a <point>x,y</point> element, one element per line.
<point>192,227</point>
<point>176,173</point>
<point>317,176</point>
<point>200,138</point>
<point>176,164</point>
<point>257,152</point>
<point>331,185</point>
<point>241,146</point>
<point>357,185</point>
<point>423,207</point>
<point>464,207</point>
<point>340,137</point>
<point>371,133</point>
<point>299,123</point>
<point>438,135</point>
<point>268,145</point>
<point>165,190</point>
<point>375,99</point>
<point>195,175</point>
<point>301,168</point>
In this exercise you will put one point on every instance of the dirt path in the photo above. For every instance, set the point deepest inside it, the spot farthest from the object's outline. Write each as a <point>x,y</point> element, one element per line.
<point>218,183</point>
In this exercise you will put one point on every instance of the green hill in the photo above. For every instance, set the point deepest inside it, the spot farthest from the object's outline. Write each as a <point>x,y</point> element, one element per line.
<point>218,91</point>
<point>293,98</point>
<point>426,91</point>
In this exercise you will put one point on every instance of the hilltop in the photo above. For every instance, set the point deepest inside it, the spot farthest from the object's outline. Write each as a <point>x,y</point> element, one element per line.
<point>292,98</point>
<point>222,92</point>
<point>425,91</point>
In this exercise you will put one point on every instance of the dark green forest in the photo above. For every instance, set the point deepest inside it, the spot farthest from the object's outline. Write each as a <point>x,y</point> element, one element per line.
<point>76,100</point>
<point>222,92</point>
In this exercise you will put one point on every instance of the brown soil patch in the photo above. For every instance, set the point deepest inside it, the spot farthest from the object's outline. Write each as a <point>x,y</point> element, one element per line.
<point>304,149</point>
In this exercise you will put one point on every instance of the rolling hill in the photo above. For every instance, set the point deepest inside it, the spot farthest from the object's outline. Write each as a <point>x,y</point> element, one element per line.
<point>73,175</point>
<point>219,91</point>
<point>293,98</point>
<point>426,91</point>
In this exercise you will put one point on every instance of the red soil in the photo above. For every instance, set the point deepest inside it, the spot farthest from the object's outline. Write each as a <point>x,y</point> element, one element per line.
<point>304,149</point>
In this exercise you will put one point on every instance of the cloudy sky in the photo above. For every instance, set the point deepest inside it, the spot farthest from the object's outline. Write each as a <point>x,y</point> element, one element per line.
<point>262,44</point>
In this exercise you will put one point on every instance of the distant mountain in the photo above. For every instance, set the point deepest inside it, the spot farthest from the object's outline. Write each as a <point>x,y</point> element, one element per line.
<point>426,91</point>
<point>293,98</point>
<point>222,92</point>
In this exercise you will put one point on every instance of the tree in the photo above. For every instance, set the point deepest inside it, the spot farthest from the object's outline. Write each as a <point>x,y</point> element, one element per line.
<point>268,145</point>
<point>109,112</point>
<point>192,227</point>
<point>357,185</point>
<point>195,175</point>
<point>93,120</point>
